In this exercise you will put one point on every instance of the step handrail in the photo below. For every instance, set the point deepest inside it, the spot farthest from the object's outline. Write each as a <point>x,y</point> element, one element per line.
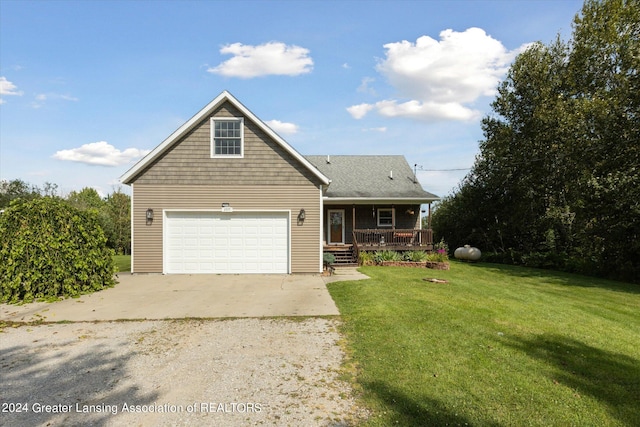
<point>356,248</point>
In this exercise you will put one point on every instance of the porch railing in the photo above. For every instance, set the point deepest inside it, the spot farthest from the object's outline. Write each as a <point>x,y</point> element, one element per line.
<point>395,239</point>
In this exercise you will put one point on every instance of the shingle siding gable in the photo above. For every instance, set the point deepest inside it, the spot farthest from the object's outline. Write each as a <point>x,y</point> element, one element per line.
<point>189,162</point>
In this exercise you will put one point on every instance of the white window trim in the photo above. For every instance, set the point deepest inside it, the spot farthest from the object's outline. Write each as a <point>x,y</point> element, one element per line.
<point>392,217</point>
<point>212,137</point>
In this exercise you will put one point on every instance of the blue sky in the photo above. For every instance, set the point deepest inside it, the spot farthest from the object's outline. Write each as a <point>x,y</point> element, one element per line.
<point>87,87</point>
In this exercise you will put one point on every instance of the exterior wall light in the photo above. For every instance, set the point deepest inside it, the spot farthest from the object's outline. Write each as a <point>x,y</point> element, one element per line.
<point>301,215</point>
<point>149,214</point>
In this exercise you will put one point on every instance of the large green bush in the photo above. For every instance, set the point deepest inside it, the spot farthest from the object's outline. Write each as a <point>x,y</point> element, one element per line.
<point>50,249</point>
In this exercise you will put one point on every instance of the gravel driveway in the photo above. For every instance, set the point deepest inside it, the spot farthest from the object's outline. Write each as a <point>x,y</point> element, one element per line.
<point>185,372</point>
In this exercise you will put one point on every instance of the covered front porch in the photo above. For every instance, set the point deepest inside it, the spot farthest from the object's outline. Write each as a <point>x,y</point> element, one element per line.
<point>349,230</point>
<point>395,240</point>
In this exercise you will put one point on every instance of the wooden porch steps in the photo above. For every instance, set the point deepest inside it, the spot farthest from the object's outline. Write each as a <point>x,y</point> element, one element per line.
<point>343,254</point>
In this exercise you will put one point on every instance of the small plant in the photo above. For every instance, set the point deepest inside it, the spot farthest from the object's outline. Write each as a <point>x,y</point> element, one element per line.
<point>415,256</point>
<point>366,258</point>
<point>437,257</point>
<point>440,252</point>
<point>386,255</point>
<point>328,259</point>
<point>441,247</point>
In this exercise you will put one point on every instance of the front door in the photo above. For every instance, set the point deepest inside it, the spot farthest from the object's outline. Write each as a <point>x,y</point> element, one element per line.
<point>335,222</point>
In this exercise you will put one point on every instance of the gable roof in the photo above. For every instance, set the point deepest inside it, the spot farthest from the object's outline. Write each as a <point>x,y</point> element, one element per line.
<point>225,96</point>
<point>362,179</point>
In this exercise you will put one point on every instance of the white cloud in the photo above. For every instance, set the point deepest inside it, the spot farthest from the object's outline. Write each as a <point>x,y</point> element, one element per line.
<point>380,129</point>
<point>49,96</point>
<point>438,79</point>
<point>43,97</point>
<point>365,86</point>
<point>426,110</point>
<point>100,153</point>
<point>8,88</point>
<point>359,111</point>
<point>282,127</point>
<point>265,59</point>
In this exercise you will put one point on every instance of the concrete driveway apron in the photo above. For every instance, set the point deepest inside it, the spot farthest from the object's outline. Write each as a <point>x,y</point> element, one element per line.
<point>190,296</point>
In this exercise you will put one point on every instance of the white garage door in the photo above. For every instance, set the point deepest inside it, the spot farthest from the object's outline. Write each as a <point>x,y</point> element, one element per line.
<point>238,242</point>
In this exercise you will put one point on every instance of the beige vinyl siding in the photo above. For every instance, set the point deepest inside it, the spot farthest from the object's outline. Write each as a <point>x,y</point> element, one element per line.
<point>148,241</point>
<point>189,161</point>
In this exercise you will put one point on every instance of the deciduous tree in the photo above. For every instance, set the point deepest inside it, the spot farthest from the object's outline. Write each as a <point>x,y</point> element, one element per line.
<point>557,181</point>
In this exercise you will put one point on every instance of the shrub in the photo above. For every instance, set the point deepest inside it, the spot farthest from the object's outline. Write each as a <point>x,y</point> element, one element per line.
<point>386,255</point>
<point>415,256</point>
<point>49,249</point>
<point>366,258</point>
<point>509,257</point>
<point>442,248</point>
<point>440,252</point>
<point>548,260</point>
<point>328,259</point>
<point>437,257</point>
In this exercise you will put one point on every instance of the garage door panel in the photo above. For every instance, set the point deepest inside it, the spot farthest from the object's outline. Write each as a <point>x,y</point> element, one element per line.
<point>237,253</point>
<point>251,243</point>
<point>239,242</point>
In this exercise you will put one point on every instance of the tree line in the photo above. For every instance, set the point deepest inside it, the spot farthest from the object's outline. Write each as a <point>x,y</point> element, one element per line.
<point>113,211</point>
<point>557,181</point>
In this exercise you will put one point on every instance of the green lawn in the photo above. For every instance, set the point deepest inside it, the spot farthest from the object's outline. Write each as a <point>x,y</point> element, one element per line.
<point>496,346</point>
<point>123,262</point>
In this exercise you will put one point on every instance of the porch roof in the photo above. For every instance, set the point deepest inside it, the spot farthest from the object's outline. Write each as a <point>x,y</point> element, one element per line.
<point>368,179</point>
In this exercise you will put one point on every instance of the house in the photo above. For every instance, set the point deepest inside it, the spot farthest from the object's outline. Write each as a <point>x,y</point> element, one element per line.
<point>226,194</point>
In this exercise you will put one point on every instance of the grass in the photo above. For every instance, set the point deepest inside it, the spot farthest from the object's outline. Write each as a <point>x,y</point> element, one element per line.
<point>496,346</point>
<point>123,262</point>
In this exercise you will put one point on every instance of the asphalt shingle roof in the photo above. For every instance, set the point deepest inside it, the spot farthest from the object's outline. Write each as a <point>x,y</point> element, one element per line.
<point>368,177</point>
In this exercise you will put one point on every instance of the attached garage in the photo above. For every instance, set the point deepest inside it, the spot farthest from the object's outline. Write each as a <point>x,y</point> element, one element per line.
<point>225,158</point>
<point>226,242</point>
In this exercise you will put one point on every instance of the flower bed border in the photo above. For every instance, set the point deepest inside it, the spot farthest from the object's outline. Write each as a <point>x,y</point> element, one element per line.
<point>436,265</point>
<point>403,264</point>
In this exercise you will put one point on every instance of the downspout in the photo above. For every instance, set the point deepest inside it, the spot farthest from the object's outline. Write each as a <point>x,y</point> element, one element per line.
<point>321,260</point>
<point>131,262</point>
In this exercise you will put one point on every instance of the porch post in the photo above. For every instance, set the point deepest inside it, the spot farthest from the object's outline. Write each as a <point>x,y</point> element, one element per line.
<point>353,222</point>
<point>393,217</point>
<point>429,217</point>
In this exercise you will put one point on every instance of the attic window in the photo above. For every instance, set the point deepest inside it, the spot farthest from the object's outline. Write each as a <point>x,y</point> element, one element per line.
<point>227,137</point>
